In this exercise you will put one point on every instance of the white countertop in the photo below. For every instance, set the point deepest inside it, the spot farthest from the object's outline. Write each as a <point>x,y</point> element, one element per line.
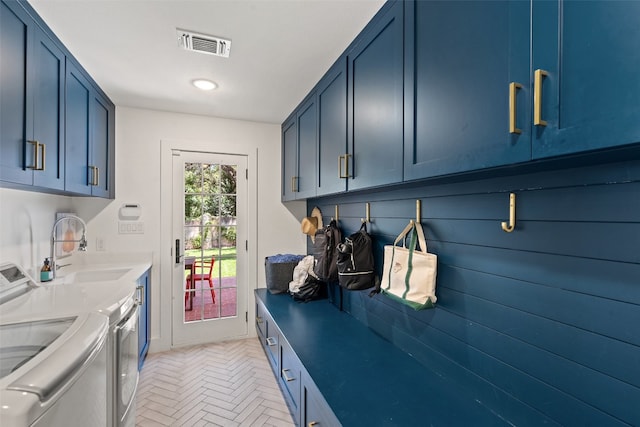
<point>83,286</point>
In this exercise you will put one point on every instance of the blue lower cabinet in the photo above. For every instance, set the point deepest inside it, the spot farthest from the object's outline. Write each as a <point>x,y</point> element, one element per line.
<point>261,323</point>
<point>268,335</point>
<point>290,378</point>
<point>144,317</point>
<point>315,410</point>
<point>306,404</point>
<point>271,348</point>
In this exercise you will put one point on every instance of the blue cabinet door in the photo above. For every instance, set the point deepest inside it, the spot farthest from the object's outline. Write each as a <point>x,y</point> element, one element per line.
<point>332,129</point>
<point>289,159</point>
<point>31,102</point>
<point>307,118</point>
<point>590,93</point>
<point>77,112</point>
<point>461,58</point>
<point>48,76</point>
<point>15,34</point>
<point>102,146</point>
<point>375,101</point>
<point>143,318</point>
<point>315,410</point>
<point>290,379</point>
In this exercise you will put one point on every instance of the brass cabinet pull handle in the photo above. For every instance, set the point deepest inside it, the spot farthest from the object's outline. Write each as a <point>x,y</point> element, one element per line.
<point>344,157</point>
<point>286,377</point>
<point>96,172</point>
<point>294,184</point>
<point>35,155</point>
<point>44,156</point>
<point>513,88</point>
<point>271,341</point>
<point>37,149</point>
<point>313,423</point>
<point>537,97</point>
<point>92,180</point>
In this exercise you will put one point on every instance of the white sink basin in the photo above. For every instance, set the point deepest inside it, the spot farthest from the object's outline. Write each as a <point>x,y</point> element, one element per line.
<point>96,275</point>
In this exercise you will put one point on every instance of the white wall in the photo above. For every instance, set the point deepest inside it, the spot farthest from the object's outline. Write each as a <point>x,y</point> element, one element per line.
<point>27,217</point>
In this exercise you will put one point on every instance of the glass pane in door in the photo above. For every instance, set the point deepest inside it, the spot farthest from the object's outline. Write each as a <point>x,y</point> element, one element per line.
<point>210,241</point>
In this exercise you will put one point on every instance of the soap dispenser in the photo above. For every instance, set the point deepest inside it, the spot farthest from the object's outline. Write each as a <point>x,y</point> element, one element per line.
<point>46,274</point>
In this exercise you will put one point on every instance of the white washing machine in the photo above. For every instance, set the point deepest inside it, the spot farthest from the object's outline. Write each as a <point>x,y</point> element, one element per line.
<point>48,367</point>
<point>116,302</point>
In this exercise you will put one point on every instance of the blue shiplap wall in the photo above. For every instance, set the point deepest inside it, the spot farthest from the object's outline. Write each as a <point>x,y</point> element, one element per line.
<point>546,318</point>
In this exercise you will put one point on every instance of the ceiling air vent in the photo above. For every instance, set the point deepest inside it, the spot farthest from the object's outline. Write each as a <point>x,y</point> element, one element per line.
<point>203,43</point>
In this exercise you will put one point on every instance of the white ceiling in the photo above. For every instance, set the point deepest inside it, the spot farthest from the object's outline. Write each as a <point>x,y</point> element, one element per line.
<point>279,50</point>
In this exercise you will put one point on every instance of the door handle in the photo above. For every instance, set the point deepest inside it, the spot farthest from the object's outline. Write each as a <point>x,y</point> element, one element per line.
<point>178,254</point>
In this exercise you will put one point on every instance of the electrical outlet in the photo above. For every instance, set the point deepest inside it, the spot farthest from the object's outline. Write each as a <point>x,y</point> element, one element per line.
<point>130,227</point>
<point>100,244</point>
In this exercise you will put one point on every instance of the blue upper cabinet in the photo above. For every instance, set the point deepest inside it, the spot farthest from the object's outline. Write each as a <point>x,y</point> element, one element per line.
<point>375,102</point>
<point>299,151</point>
<point>435,88</point>
<point>289,158</point>
<point>57,128</point>
<point>588,54</point>
<point>332,129</point>
<point>78,95</point>
<point>48,111</point>
<point>307,118</point>
<point>463,61</point>
<point>102,161</point>
<point>31,102</point>
<point>15,34</point>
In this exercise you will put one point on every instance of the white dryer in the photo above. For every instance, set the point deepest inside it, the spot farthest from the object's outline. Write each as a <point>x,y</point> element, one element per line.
<point>48,367</point>
<point>114,300</point>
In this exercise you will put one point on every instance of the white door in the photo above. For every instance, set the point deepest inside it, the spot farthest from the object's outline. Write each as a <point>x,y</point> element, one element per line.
<point>209,278</point>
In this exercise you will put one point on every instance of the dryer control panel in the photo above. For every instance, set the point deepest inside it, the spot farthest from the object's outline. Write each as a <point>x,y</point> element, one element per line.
<point>14,281</point>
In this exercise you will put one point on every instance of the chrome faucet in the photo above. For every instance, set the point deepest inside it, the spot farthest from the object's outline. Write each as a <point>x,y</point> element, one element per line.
<point>82,241</point>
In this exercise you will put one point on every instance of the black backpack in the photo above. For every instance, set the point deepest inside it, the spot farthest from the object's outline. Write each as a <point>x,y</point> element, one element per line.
<point>355,261</point>
<point>325,252</point>
<point>312,289</point>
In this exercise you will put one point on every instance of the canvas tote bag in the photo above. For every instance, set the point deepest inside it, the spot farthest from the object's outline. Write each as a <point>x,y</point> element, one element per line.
<point>409,274</point>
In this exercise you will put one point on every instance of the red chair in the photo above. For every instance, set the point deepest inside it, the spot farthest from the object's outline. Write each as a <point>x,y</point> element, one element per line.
<point>200,273</point>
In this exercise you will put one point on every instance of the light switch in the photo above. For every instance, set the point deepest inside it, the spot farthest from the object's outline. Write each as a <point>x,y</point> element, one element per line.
<point>126,227</point>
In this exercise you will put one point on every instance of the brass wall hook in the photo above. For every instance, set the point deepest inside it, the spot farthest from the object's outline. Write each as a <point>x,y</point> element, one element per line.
<point>335,215</point>
<point>367,217</point>
<point>512,214</point>
<point>418,211</point>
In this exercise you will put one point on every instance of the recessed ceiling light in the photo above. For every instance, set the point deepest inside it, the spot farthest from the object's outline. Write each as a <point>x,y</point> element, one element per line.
<point>203,84</point>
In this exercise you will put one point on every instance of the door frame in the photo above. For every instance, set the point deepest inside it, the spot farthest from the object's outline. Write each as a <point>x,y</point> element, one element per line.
<point>165,299</point>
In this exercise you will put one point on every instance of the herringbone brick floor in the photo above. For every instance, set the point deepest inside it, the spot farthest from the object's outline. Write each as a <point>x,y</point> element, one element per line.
<point>221,384</point>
